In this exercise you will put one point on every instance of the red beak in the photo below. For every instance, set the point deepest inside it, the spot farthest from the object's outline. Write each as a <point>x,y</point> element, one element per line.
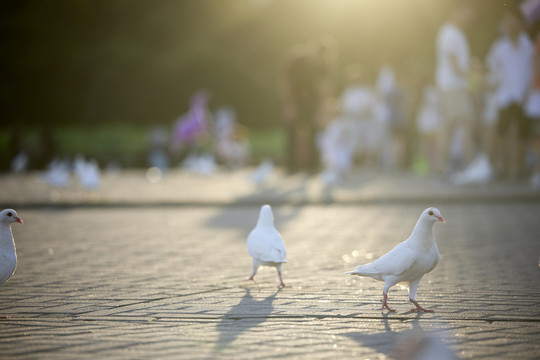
<point>441,219</point>
<point>19,220</point>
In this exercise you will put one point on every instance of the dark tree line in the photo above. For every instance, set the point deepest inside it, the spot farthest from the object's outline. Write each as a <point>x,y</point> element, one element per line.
<point>96,61</point>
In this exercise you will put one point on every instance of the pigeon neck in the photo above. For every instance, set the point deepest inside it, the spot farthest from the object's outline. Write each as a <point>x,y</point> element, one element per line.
<point>423,232</point>
<point>265,217</point>
<point>6,238</point>
<point>265,222</point>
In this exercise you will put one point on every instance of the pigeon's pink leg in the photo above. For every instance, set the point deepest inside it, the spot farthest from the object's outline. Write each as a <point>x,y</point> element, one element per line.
<point>385,302</point>
<point>281,283</point>
<point>254,268</point>
<point>5,317</point>
<point>419,308</point>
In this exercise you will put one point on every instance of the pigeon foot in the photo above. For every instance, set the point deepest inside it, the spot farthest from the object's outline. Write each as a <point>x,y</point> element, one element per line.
<point>385,303</point>
<point>251,278</point>
<point>419,308</point>
<point>282,285</point>
<point>385,306</point>
<point>5,317</point>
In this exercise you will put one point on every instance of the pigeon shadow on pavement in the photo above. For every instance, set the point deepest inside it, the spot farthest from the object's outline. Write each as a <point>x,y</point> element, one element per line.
<point>247,314</point>
<point>293,189</point>
<point>279,195</point>
<point>244,224</point>
<point>384,341</point>
<point>293,192</point>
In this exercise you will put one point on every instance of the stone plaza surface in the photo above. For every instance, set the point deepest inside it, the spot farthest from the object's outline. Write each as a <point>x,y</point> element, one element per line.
<point>156,272</point>
<point>178,187</point>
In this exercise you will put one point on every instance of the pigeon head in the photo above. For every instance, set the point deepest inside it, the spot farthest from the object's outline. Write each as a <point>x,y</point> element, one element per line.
<point>266,217</point>
<point>432,215</point>
<point>9,216</point>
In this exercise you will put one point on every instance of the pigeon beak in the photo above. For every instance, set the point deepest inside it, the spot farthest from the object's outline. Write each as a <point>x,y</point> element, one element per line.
<point>19,220</point>
<point>441,219</point>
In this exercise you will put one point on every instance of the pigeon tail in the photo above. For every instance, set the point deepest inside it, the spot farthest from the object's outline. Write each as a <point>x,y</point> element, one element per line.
<point>363,270</point>
<point>273,261</point>
<point>275,256</point>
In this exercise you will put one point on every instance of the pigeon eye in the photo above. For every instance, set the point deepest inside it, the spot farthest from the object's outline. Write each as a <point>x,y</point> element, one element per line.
<point>430,213</point>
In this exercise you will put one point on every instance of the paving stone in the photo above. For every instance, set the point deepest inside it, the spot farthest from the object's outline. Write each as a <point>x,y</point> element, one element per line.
<point>137,270</point>
<point>169,282</point>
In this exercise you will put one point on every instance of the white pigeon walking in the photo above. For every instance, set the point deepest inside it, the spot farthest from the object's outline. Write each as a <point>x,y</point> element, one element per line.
<point>88,173</point>
<point>57,174</point>
<point>262,172</point>
<point>265,244</point>
<point>407,262</point>
<point>8,256</point>
<point>19,164</point>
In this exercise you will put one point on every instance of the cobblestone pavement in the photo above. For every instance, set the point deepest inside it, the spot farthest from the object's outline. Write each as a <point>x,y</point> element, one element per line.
<point>169,282</point>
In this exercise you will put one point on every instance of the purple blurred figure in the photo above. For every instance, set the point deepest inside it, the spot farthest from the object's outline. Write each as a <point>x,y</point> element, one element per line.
<point>192,129</point>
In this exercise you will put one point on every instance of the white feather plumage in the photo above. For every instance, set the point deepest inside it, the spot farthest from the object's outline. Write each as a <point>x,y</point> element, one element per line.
<point>265,244</point>
<point>409,261</point>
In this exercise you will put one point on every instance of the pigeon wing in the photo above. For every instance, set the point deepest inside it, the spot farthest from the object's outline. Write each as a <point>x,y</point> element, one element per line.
<point>395,262</point>
<point>266,246</point>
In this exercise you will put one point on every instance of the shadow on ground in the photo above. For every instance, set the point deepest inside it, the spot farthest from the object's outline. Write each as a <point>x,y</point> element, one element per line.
<point>382,342</point>
<point>293,191</point>
<point>411,343</point>
<point>247,314</point>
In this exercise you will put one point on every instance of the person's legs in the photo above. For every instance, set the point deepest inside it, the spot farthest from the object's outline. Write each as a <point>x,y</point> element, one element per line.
<point>430,150</point>
<point>535,147</point>
<point>469,146</point>
<point>457,110</point>
<point>503,140</point>
<point>445,144</point>
<point>290,151</point>
<point>523,138</point>
<point>313,156</point>
<point>467,118</point>
<point>489,141</point>
<point>302,147</point>
<point>514,130</point>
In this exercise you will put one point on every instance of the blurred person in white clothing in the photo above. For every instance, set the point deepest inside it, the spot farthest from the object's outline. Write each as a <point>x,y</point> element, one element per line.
<point>336,144</point>
<point>451,77</point>
<point>357,105</point>
<point>532,110</point>
<point>510,64</point>
<point>428,123</point>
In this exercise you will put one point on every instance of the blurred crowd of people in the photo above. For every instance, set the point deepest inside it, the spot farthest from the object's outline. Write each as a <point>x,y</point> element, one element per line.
<point>474,121</point>
<point>200,139</point>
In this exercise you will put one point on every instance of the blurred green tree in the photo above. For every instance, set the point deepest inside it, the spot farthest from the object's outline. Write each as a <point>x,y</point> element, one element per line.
<point>139,61</point>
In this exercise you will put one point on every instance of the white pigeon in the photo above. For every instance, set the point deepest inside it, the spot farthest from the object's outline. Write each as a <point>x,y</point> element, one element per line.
<point>8,256</point>
<point>79,165</point>
<point>89,174</point>
<point>19,164</point>
<point>265,244</point>
<point>57,174</point>
<point>479,171</point>
<point>409,261</point>
<point>262,172</point>
<point>203,164</point>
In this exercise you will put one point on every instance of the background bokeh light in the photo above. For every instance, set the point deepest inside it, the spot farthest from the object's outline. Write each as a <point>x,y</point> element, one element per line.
<point>89,62</point>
